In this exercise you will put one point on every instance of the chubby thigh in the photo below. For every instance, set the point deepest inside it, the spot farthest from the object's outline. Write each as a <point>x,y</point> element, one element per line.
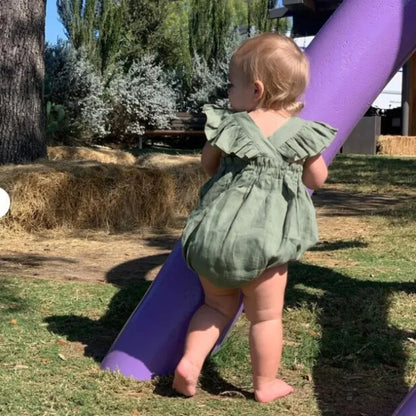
<point>264,296</point>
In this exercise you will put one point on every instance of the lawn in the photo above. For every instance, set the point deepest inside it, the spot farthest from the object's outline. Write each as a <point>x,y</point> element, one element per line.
<point>349,322</point>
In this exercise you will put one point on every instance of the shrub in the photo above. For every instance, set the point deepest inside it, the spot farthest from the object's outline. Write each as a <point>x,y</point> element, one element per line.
<point>140,98</point>
<point>71,82</point>
<point>208,85</point>
<point>209,80</point>
<point>56,125</point>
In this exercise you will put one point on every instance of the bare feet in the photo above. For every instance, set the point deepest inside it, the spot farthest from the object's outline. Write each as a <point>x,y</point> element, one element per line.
<point>186,378</point>
<point>276,389</point>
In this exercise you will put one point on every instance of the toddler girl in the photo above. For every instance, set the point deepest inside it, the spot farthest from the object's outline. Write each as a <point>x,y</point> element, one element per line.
<point>254,214</point>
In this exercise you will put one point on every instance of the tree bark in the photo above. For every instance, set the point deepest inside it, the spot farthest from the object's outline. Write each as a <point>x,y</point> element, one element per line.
<point>22,117</point>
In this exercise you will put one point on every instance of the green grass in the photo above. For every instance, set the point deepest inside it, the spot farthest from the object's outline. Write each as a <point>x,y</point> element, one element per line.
<point>350,340</point>
<point>376,173</point>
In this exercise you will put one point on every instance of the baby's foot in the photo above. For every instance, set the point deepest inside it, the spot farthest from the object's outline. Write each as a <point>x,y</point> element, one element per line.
<point>276,389</point>
<point>186,378</point>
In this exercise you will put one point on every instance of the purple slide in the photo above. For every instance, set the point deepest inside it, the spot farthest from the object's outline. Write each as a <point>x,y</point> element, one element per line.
<point>408,406</point>
<point>352,58</point>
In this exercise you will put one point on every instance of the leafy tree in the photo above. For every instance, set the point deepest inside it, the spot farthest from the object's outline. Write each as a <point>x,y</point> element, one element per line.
<point>22,120</point>
<point>142,27</point>
<point>173,49</point>
<point>96,26</point>
<point>210,23</point>
<point>110,31</point>
<point>78,18</point>
<point>258,21</point>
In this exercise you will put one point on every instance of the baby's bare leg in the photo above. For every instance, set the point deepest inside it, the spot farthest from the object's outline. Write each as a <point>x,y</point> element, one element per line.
<point>206,326</point>
<point>263,303</point>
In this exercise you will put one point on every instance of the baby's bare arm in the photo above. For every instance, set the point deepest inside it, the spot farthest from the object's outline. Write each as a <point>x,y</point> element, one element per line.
<point>315,172</point>
<point>210,159</point>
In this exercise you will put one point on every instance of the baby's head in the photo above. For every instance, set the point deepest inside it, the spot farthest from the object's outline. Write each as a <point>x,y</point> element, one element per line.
<point>275,66</point>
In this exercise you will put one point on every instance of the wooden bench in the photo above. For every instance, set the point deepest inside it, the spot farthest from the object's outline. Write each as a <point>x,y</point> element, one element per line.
<point>183,125</point>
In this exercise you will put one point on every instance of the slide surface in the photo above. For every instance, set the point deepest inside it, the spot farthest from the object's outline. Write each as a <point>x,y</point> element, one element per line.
<point>408,406</point>
<point>352,58</point>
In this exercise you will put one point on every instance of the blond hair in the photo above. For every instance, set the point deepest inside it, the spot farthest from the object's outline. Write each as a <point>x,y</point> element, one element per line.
<point>279,64</point>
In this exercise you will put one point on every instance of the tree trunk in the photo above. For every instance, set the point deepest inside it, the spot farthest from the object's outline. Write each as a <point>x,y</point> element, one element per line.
<point>22,118</point>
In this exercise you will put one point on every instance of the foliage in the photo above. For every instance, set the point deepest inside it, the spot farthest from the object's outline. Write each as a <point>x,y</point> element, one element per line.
<point>208,83</point>
<point>110,33</point>
<point>140,98</point>
<point>78,17</point>
<point>142,27</point>
<point>107,65</point>
<point>258,21</point>
<point>55,121</point>
<point>136,97</point>
<point>73,84</point>
<point>173,50</point>
<point>210,23</point>
<point>215,30</point>
<point>96,26</point>
<point>124,30</point>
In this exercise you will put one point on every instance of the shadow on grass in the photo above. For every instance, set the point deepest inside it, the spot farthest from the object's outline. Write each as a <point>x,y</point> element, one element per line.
<point>98,335</point>
<point>9,300</point>
<point>361,363</point>
<point>359,369</point>
<point>338,245</point>
<point>213,383</point>
<point>210,381</point>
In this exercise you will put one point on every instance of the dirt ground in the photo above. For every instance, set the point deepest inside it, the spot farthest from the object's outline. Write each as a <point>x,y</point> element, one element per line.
<point>120,258</point>
<point>88,256</point>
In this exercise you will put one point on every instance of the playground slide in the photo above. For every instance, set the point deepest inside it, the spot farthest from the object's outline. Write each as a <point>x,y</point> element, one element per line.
<point>408,406</point>
<point>352,58</point>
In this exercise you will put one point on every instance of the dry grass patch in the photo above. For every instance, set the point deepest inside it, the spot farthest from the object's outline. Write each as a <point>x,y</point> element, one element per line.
<point>99,154</point>
<point>92,195</point>
<point>397,145</point>
<point>185,170</point>
<point>87,195</point>
<point>165,160</point>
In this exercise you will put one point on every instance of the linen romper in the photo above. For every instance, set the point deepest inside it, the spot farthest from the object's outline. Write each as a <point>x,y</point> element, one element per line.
<point>255,213</point>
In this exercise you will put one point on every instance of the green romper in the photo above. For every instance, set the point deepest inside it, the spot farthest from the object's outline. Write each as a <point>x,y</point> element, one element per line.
<point>255,213</point>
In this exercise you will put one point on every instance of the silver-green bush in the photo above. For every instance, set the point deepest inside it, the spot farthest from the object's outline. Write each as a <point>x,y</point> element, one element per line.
<point>72,82</point>
<point>141,98</point>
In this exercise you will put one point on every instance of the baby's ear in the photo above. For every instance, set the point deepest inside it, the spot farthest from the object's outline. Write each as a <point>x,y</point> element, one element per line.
<point>258,89</point>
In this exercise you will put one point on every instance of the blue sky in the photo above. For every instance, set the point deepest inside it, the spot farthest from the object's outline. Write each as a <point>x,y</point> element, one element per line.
<point>54,28</point>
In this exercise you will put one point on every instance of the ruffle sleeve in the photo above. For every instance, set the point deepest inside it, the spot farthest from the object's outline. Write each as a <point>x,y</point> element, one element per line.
<point>223,130</point>
<point>308,141</point>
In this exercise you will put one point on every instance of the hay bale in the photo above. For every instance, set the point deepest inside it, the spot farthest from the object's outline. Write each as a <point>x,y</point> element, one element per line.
<point>187,173</point>
<point>98,154</point>
<point>90,195</point>
<point>156,192</point>
<point>397,145</point>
